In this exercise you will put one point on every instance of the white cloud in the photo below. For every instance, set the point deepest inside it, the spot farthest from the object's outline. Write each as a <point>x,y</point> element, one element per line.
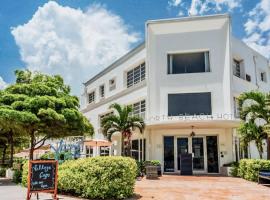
<point>257,28</point>
<point>174,2</point>
<point>73,43</point>
<point>200,7</point>
<point>3,84</point>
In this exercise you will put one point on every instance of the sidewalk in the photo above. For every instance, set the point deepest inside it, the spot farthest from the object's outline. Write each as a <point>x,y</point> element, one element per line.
<point>11,191</point>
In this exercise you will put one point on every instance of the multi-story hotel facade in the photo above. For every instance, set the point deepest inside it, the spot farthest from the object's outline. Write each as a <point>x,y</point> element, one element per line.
<point>184,81</point>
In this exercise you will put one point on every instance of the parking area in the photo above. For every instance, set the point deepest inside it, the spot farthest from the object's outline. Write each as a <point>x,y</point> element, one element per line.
<point>200,188</point>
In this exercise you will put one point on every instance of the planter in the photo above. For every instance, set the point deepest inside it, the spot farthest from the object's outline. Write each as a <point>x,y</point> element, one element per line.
<point>151,172</point>
<point>9,173</point>
<point>225,171</point>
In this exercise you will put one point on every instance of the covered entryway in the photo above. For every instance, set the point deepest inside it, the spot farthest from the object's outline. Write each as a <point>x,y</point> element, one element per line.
<point>204,151</point>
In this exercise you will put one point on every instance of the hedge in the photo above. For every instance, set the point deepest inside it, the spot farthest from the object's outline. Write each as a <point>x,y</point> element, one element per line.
<point>249,168</point>
<point>98,177</point>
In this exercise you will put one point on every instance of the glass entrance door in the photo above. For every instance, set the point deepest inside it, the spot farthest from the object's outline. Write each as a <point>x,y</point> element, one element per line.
<point>198,153</point>
<point>182,148</point>
<point>212,154</point>
<point>169,153</point>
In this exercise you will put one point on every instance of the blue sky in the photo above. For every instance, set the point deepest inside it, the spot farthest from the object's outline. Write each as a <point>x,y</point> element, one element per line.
<point>47,39</point>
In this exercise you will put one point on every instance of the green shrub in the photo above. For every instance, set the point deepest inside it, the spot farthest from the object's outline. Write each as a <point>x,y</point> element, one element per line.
<point>2,172</point>
<point>98,177</point>
<point>249,168</point>
<point>140,168</point>
<point>17,176</point>
<point>48,155</point>
<point>25,174</point>
<point>235,168</point>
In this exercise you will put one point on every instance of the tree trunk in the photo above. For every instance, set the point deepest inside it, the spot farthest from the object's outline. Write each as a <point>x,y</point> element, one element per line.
<point>122,144</point>
<point>32,146</point>
<point>4,154</point>
<point>11,149</point>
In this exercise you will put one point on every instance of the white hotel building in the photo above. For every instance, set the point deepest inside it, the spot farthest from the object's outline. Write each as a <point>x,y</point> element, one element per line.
<point>184,80</point>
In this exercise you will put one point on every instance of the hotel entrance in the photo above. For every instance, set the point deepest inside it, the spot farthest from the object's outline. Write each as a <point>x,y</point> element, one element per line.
<point>204,150</point>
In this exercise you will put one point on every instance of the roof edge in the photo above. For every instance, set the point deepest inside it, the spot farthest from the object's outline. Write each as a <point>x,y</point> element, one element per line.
<point>116,63</point>
<point>188,18</point>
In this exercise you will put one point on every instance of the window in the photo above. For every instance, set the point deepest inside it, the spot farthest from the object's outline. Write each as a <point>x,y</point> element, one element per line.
<point>89,151</point>
<point>104,151</point>
<point>136,75</point>
<point>263,76</point>
<point>248,78</point>
<point>189,104</point>
<point>237,68</point>
<point>138,149</point>
<point>188,63</point>
<point>139,109</point>
<point>102,91</point>
<point>112,84</point>
<point>236,108</point>
<point>91,97</point>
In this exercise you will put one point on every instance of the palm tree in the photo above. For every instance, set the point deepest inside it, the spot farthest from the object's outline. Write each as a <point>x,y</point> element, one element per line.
<point>254,113</point>
<point>122,121</point>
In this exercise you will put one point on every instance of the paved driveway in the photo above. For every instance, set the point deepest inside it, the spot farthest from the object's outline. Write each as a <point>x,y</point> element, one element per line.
<point>200,188</point>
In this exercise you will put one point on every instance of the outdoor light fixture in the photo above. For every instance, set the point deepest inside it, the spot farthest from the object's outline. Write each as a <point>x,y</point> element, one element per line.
<point>192,134</point>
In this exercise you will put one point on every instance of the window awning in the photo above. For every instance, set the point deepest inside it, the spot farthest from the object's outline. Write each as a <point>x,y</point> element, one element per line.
<point>97,143</point>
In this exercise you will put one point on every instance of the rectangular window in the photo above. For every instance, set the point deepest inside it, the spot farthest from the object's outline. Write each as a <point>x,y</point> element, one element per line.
<point>89,151</point>
<point>263,77</point>
<point>189,104</point>
<point>138,149</point>
<point>91,97</point>
<point>112,84</point>
<point>104,151</point>
<point>248,78</point>
<point>136,75</point>
<point>139,109</point>
<point>102,91</point>
<point>188,63</point>
<point>237,68</point>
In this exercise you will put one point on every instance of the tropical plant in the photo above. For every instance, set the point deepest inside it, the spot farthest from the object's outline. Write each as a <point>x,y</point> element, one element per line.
<point>41,107</point>
<point>122,121</point>
<point>254,115</point>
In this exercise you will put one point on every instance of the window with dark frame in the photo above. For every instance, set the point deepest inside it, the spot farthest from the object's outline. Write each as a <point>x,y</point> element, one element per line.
<point>189,104</point>
<point>104,151</point>
<point>136,152</point>
<point>196,62</point>
<point>248,78</point>
<point>91,97</point>
<point>89,151</point>
<point>237,68</point>
<point>263,76</point>
<point>102,91</point>
<point>136,75</point>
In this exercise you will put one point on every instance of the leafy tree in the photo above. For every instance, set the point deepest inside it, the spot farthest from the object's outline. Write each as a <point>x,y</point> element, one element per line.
<point>254,114</point>
<point>41,107</point>
<point>122,122</point>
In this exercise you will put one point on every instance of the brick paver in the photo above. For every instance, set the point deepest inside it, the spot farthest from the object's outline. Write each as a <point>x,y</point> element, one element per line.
<point>200,188</point>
